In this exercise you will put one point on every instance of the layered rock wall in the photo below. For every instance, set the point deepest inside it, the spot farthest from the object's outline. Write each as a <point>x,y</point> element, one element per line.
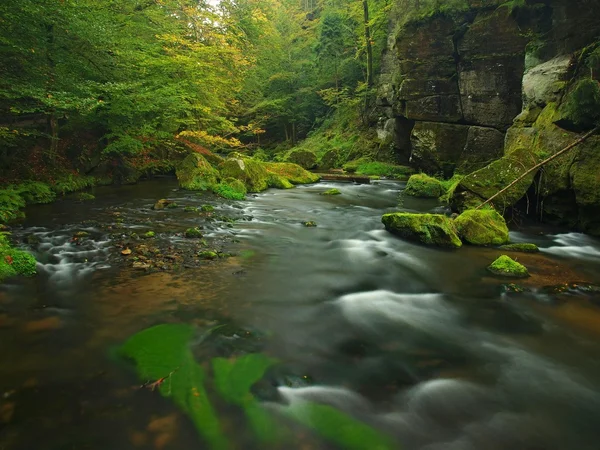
<point>480,86</point>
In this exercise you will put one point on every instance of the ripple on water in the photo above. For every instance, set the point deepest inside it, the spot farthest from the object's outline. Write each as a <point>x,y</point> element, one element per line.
<point>575,245</point>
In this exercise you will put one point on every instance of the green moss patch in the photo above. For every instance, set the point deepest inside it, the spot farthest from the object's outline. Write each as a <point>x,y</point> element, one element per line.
<point>507,267</point>
<point>482,227</point>
<point>13,261</point>
<point>304,158</point>
<point>279,182</point>
<point>431,229</point>
<point>382,169</point>
<point>523,248</point>
<point>422,185</point>
<point>230,188</point>
<point>193,233</point>
<point>332,191</point>
<point>292,172</point>
<point>195,173</point>
<point>252,173</point>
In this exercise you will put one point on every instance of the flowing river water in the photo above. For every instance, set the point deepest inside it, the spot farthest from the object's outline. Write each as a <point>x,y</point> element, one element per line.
<point>413,343</point>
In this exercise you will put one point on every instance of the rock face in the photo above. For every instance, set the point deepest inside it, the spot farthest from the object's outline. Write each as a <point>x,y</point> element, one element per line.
<point>490,88</point>
<point>482,227</point>
<point>431,229</point>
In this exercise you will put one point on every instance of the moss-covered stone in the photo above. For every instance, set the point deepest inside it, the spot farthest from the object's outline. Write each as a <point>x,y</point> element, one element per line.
<point>431,229</point>
<point>523,248</point>
<point>292,172</point>
<point>193,233</point>
<point>85,196</point>
<point>252,173</point>
<point>482,227</point>
<point>507,267</point>
<point>332,191</point>
<point>279,182</point>
<point>208,254</point>
<point>13,261</point>
<point>230,188</point>
<point>207,208</point>
<point>421,185</point>
<point>191,209</point>
<point>329,160</point>
<point>148,234</point>
<point>304,158</point>
<point>309,223</point>
<point>196,174</point>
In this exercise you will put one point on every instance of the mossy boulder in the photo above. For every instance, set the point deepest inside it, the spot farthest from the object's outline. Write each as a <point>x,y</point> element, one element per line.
<point>193,233</point>
<point>332,191</point>
<point>431,229</point>
<point>229,188</point>
<point>279,182</point>
<point>505,266</point>
<point>329,160</point>
<point>304,158</point>
<point>482,227</point>
<point>421,185</point>
<point>523,248</point>
<point>292,172</point>
<point>196,174</point>
<point>208,254</point>
<point>252,173</point>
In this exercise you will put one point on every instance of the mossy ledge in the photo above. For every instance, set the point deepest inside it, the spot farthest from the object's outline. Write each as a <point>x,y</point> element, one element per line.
<point>505,266</point>
<point>431,229</point>
<point>421,185</point>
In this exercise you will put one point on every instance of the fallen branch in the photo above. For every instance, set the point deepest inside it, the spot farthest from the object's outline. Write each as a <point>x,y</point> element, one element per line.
<point>537,166</point>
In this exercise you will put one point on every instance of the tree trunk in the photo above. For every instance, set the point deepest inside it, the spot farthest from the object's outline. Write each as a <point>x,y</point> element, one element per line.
<point>368,44</point>
<point>52,121</point>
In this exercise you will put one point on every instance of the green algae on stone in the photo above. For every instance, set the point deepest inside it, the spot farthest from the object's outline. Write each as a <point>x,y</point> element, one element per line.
<point>508,267</point>
<point>231,189</point>
<point>193,233</point>
<point>195,173</point>
<point>431,229</point>
<point>523,248</point>
<point>208,254</point>
<point>149,234</point>
<point>14,261</point>
<point>332,191</point>
<point>252,173</point>
<point>279,182</point>
<point>190,209</point>
<point>422,185</point>
<point>207,208</point>
<point>163,352</point>
<point>482,227</point>
<point>292,172</point>
<point>309,224</point>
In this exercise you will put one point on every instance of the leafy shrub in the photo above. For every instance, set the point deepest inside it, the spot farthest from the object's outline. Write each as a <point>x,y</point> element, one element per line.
<point>230,188</point>
<point>10,204</point>
<point>36,192</point>
<point>72,183</point>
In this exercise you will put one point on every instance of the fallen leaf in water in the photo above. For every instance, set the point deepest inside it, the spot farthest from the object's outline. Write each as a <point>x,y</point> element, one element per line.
<point>125,252</point>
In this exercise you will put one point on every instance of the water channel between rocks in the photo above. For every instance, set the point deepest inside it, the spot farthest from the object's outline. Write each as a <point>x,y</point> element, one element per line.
<point>417,344</point>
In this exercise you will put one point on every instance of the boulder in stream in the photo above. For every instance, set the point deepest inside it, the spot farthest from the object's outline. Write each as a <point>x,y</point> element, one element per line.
<point>196,174</point>
<point>505,266</point>
<point>424,186</point>
<point>431,229</point>
<point>482,227</point>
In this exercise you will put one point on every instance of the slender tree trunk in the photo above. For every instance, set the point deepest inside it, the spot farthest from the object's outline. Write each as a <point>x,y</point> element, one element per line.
<point>368,44</point>
<point>52,121</point>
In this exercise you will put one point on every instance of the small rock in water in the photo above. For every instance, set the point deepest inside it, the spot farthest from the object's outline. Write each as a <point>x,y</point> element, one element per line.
<point>161,204</point>
<point>332,191</point>
<point>126,251</point>
<point>193,233</point>
<point>507,267</point>
<point>309,223</point>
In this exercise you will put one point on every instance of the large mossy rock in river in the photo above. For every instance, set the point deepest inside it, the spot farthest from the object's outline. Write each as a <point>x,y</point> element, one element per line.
<point>196,174</point>
<point>304,158</point>
<point>292,172</point>
<point>482,227</point>
<point>421,185</point>
<point>432,229</point>
<point>252,173</point>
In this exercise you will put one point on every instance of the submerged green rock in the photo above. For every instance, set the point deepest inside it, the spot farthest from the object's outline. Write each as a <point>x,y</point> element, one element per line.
<point>193,233</point>
<point>482,227</point>
<point>196,174</point>
<point>421,185</point>
<point>431,229</point>
<point>508,267</point>
<point>523,248</point>
<point>332,191</point>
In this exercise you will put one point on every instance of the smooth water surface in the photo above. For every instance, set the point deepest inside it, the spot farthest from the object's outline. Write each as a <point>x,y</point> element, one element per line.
<point>419,344</point>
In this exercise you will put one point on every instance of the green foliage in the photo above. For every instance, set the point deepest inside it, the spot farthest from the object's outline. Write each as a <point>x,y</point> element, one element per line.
<point>85,196</point>
<point>449,186</point>
<point>13,261</point>
<point>278,182</point>
<point>507,267</point>
<point>482,227</point>
<point>292,173</point>
<point>163,351</point>
<point>422,185</point>
<point>35,192</point>
<point>207,208</point>
<point>431,229</point>
<point>339,427</point>
<point>10,204</point>
<point>230,188</point>
<point>72,183</point>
